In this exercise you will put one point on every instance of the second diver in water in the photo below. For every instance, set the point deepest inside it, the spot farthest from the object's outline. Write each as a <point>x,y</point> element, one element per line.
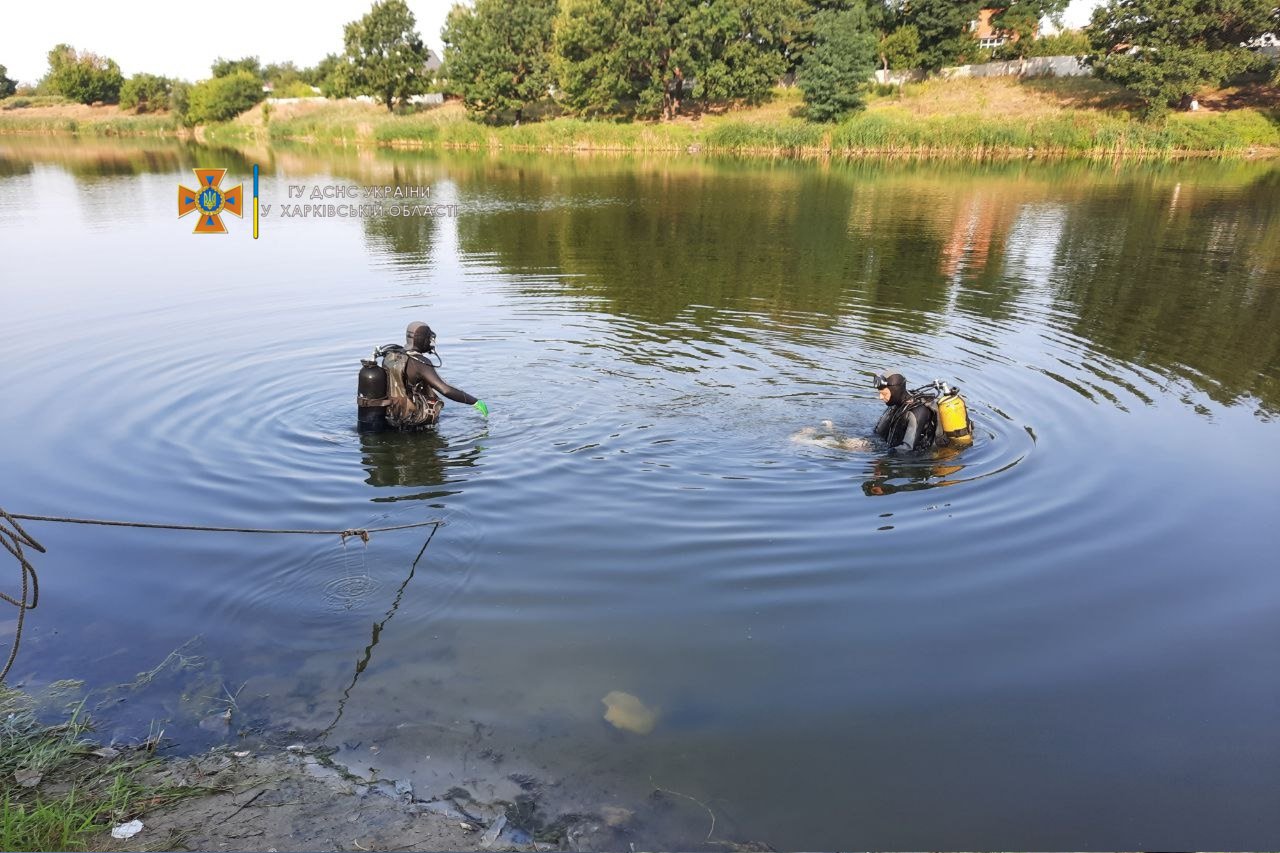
<point>404,391</point>
<point>928,417</point>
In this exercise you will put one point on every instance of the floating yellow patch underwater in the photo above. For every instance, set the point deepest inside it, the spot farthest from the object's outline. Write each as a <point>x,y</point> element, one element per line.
<point>628,713</point>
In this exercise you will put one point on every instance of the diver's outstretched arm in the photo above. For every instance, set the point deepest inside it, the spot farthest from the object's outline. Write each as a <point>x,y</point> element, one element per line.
<point>422,371</point>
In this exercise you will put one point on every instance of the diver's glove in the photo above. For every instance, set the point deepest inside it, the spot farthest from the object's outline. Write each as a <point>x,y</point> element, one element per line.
<point>480,407</point>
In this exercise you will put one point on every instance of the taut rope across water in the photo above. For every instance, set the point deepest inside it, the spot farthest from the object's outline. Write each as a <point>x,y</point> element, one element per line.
<point>15,539</point>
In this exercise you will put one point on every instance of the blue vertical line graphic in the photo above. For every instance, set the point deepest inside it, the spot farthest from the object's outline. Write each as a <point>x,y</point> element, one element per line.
<point>255,201</point>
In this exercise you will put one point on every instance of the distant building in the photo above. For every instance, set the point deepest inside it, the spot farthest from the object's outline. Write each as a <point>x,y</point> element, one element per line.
<point>433,62</point>
<point>987,34</point>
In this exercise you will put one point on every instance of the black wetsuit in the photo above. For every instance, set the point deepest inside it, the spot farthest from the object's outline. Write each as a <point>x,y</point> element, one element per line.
<point>908,426</point>
<point>420,372</point>
<point>412,394</point>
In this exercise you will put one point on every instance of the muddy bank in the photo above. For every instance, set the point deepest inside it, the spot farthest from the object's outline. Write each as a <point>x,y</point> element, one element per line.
<point>298,800</point>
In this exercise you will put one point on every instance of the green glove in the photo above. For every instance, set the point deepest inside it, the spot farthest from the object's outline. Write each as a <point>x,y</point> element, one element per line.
<point>480,407</point>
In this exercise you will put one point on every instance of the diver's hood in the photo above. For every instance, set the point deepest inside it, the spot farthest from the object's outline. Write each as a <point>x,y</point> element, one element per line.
<point>419,337</point>
<point>897,385</point>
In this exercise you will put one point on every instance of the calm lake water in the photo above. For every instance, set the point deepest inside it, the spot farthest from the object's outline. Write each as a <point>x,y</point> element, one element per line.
<point>1063,637</point>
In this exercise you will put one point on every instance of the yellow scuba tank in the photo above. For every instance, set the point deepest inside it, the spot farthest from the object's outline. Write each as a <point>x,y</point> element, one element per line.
<point>953,417</point>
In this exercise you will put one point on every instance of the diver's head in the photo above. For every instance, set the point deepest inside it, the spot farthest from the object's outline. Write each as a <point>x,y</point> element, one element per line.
<point>892,388</point>
<point>419,337</point>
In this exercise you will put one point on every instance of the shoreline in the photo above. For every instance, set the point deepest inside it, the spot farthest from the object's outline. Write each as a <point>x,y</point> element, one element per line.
<point>296,800</point>
<point>991,119</point>
<point>940,152</point>
<point>64,790</point>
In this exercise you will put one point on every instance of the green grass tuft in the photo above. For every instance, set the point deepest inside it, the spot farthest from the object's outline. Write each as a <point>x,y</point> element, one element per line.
<point>75,795</point>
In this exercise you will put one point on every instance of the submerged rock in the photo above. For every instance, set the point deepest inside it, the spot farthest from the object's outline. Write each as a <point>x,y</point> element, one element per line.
<point>628,713</point>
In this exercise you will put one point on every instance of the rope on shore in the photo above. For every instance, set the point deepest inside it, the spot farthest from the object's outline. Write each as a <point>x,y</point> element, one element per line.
<point>15,539</point>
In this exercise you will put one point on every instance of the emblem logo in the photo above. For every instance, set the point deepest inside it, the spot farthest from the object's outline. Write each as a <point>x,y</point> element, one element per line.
<point>210,201</point>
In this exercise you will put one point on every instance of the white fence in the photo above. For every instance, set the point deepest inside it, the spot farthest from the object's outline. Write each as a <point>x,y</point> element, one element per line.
<point>1040,66</point>
<point>429,98</point>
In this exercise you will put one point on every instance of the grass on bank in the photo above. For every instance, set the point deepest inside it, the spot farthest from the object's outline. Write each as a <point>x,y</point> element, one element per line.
<point>985,117</point>
<point>58,790</point>
<point>989,117</point>
<point>48,114</point>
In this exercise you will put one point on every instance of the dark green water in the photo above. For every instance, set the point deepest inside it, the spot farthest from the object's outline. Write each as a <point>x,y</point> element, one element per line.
<point>1063,637</point>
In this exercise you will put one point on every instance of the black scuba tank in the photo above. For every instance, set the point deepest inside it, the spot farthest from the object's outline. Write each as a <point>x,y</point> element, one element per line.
<point>371,395</point>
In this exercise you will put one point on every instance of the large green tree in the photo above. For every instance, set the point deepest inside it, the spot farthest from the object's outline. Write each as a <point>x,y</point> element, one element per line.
<point>387,57</point>
<point>1164,50</point>
<point>622,56</point>
<point>619,56</point>
<point>882,15</point>
<point>83,76</point>
<point>737,47</point>
<point>498,54</point>
<point>835,73</point>
<point>7,85</point>
<point>944,28</point>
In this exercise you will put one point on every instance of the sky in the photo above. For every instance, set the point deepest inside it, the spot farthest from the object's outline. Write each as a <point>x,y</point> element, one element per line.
<point>179,39</point>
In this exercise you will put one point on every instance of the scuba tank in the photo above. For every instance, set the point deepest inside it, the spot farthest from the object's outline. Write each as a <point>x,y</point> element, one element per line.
<point>371,394</point>
<point>953,416</point>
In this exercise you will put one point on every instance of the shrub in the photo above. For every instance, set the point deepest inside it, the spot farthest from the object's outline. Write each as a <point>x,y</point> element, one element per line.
<point>222,98</point>
<point>145,93</point>
<point>295,89</point>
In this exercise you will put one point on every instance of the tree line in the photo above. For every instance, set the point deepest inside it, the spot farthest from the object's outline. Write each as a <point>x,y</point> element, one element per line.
<point>383,57</point>
<point>509,60</point>
<point>631,58</point>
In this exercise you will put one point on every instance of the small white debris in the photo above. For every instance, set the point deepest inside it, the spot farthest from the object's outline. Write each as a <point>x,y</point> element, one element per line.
<point>244,754</point>
<point>296,748</point>
<point>127,830</point>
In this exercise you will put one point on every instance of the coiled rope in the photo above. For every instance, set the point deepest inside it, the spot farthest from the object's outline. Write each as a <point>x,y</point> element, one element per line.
<point>15,539</point>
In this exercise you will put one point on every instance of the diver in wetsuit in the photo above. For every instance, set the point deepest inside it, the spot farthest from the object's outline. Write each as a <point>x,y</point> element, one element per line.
<point>404,393</point>
<point>910,423</point>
